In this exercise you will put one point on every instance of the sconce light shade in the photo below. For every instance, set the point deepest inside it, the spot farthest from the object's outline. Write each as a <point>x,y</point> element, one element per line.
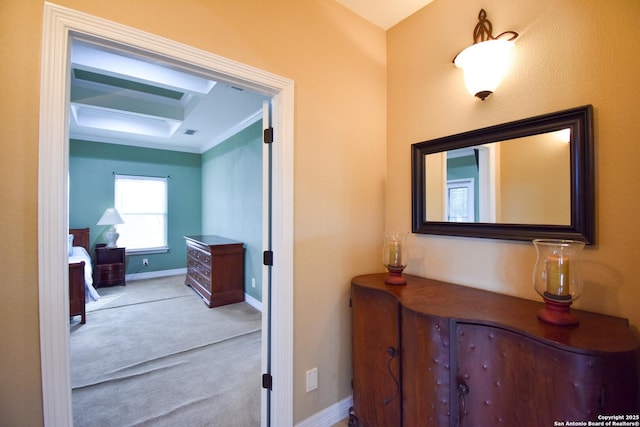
<point>485,62</point>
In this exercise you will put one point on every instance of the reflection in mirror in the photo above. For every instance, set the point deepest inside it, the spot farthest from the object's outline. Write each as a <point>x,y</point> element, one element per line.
<point>492,184</point>
<point>528,179</point>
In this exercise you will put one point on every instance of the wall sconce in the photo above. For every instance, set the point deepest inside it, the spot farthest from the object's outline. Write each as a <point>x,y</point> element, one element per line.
<point>485,62</point>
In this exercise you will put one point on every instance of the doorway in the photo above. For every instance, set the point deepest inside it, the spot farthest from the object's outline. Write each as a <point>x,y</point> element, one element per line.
<point>59,24</point>
<point>115,95</point>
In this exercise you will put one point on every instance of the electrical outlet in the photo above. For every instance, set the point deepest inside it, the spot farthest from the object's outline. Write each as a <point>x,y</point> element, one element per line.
<point>312,379</point>
<point>253,282</point>
<point>145,262</point>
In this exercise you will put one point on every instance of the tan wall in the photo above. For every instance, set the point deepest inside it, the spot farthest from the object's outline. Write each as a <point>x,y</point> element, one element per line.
<point>20,388</point>
<point>569,53</point>
<point>436,184</point>
<point>535,181</point>
<point>337,61</point>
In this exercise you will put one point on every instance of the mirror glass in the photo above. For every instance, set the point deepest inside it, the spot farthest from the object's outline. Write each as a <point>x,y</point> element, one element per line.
<point>520,180</point>
<point>489,183</point>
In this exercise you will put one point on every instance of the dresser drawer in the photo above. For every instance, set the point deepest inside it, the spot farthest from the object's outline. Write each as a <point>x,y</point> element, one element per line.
<point>199,255</point>
<point>201,280</point>
<point>194,266</point>
<point>109,274</point>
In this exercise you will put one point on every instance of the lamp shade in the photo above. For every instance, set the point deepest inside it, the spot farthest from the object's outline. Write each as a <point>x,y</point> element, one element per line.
<point>484,64</point>
<point>110,217</point>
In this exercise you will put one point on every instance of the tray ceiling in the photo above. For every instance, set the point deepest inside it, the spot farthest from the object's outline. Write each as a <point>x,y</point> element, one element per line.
<point>119,98</point>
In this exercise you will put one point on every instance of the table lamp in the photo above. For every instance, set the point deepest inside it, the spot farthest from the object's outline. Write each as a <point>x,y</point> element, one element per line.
<point>111,217</point>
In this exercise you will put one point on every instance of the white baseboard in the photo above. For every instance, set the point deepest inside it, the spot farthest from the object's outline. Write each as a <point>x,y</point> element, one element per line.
<point>155,274</point>
<point>165,273</point>
<point>253,302</point>
<point>329,416</point>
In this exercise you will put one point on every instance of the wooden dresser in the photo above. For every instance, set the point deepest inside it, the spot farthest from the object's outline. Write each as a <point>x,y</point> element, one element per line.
<point>215,269</point>
<point>437,354</point>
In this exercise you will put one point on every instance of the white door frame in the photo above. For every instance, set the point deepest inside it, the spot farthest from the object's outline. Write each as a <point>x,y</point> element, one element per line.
<point>59,24</point>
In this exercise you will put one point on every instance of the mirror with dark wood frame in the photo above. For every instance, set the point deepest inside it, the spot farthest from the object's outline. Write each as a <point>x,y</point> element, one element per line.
<point>522,180</point>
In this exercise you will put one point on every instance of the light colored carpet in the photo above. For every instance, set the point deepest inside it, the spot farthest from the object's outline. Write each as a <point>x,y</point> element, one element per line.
<point>152,354</point>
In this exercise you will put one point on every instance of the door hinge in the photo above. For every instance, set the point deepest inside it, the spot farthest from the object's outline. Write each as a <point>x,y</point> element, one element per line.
<point>267,258</point>
<point>267,381</point>
<point>268,135</point>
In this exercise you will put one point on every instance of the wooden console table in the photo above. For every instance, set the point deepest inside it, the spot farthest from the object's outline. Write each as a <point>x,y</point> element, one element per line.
<point>215,269</point>
<point>437,354</point>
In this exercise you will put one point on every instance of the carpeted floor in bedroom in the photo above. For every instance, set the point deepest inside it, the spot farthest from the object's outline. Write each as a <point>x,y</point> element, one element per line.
<point>152,354</point>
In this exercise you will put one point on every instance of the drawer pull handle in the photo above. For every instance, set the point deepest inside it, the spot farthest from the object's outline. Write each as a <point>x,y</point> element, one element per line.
<point>463,390</point>
<point>393,353</point>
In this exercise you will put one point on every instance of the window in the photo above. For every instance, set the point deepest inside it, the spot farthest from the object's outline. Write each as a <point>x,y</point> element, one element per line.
<point>142,202</point>
<point>460,200</point>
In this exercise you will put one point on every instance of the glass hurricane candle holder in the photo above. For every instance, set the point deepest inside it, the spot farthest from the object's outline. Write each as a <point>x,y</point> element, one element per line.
<point>394,257</point>
<point>557,279</point>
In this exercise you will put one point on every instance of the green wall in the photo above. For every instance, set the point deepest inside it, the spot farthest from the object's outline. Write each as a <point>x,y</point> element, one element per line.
<point>218,192</point>
<point>91,169</point>
<point>232,197</point>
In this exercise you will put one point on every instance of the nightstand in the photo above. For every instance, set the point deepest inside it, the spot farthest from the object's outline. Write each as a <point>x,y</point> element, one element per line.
<point>109,268</point>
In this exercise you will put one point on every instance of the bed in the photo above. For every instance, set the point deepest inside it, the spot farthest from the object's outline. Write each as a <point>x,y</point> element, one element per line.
<point>81,288</point>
